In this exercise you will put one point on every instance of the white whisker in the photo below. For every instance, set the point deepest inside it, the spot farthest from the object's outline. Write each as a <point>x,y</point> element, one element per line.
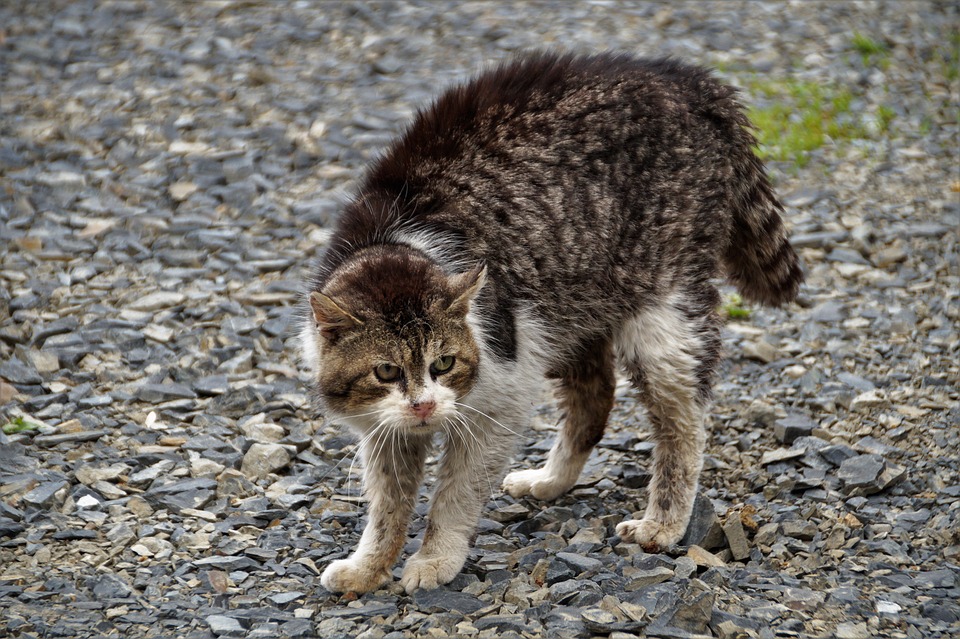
<point>479,451</point>
<point>488,417</point>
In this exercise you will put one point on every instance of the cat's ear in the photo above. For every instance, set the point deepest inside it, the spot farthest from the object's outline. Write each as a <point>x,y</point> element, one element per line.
<point>331,318</point>
<point>465,287</point>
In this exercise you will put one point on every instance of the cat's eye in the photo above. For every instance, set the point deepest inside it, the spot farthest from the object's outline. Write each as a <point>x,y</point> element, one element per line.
<point>387,372</point>
<point>442,364</point>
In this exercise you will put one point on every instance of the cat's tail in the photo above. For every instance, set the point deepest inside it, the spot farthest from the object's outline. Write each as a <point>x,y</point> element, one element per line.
<point>760,261</point>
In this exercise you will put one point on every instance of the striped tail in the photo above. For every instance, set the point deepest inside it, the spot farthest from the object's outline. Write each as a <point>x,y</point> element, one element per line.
<point>760,261</point>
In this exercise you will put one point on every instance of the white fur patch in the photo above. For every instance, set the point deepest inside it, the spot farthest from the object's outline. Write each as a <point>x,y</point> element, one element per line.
<point>655,336</point>
<point>438,248</point>
<point>309,347</point>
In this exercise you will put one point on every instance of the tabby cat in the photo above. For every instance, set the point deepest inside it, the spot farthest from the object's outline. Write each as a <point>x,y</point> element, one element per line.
<point>559,217</point>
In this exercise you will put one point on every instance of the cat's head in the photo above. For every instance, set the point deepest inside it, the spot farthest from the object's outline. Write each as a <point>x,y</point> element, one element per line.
<point>390,342</point>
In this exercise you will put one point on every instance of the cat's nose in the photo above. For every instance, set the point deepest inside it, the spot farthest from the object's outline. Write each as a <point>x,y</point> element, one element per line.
<point>423,410</point>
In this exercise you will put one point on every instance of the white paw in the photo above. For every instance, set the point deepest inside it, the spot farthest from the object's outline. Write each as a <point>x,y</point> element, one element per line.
<point>536,483</point>
<point>651,534</point>
<point>350,575</point>
<point>428,572</point>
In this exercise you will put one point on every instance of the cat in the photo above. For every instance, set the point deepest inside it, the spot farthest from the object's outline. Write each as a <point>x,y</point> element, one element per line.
<point>555,218</point>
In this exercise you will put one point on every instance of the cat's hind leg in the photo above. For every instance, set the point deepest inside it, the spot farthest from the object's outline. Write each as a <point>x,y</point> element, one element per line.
<point>670,352</point>
<point>586,391</point>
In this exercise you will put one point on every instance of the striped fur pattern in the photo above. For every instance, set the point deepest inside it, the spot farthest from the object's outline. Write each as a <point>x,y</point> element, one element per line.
<point>557,217</point>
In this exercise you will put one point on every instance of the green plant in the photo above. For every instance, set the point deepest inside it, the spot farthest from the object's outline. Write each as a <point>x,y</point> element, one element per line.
<point>798,116</point>
<point>732,307</point>
<point>885,116</point>
<point>18,425</point>
<point>950,57</point>
<point>867,47</point>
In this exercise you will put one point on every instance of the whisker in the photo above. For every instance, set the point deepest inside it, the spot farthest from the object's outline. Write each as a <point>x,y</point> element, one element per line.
<point>394,442</point>
<point>373,412</point>
<point>479,450</point>
<point>488,417</point>
<point>351,455</point>
<point>361,446</point>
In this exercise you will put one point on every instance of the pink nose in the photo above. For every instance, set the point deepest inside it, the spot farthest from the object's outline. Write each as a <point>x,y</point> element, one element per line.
<point>423,410</point>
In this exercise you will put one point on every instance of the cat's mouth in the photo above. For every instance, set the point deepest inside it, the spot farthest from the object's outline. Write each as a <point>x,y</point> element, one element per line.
<point>420,426</point>
<point>423,425</point>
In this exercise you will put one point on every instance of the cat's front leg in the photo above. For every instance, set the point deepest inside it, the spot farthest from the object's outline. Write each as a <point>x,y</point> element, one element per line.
<point>472,465</point>
<point>393,472</point>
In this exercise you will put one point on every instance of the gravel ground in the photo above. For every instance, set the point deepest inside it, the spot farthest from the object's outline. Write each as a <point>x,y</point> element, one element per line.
<point>168,172</point>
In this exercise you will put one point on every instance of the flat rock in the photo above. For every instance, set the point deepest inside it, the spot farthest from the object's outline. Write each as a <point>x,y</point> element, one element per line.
<point>789,428</point>
<point>704,528</point>
<point>263,459</point>
<point>643,578</point>
<point>703,557</point>
<point>224,626</point>
<point>17,372</point>
<point>736,537</point>
<point>781,454</point>
<point>157,301</point>
<point>46,495</point>
<point>860,475</point>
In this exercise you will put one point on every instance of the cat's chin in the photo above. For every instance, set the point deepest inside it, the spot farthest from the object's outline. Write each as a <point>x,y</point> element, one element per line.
<point>406,426</point>
<point>420,427</point>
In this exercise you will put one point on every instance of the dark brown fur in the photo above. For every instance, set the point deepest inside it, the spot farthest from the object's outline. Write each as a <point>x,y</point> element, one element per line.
<point>556,216</point>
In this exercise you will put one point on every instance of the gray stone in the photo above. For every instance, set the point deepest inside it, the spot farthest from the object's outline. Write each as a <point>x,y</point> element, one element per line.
<point>736,537</point>
<point>837,454</point>
<point>944,613</point>
<point>263,459</point>
<point>789,428</point>
<point>501,623</point>
<point>829,312</point>
<point>704,529</point>
<point>224,626</point>
<point>852,630</point>
<point>509,513</point>
<point>155,393</point>
<point>942,578</point>
<point>579,563</point>
<point>157,301</point>
<point>847,256</point>
<point>822,239</point>
<point>860,474</point>
<point>211,385</point>
<point>111,586</point>
<point>802,599</point>
<point>16,372</point>
<point>368,610</point>
<point>442,600</point>
<point>46,495</point>
<point>283,598</point>
<point>565,621</point>
<point>598,620</point>
<point>691,612</point>
<point>643,578</point>
<point>227,563</point>
<point>634,476</point>
<point>558,571</point>
<point>69,438</point>
<point>799,529</point>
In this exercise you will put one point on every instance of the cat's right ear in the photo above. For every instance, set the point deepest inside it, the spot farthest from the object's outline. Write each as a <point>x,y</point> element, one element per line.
<point>331,318</point>
<point>465,287</point>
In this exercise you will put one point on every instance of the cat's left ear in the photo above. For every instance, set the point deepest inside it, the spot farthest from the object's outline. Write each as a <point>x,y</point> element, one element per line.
<point>465,287</point>
<point>331,318</point>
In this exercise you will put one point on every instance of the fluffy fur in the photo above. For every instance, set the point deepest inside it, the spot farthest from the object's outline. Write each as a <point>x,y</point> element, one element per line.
<point>554,218</point>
